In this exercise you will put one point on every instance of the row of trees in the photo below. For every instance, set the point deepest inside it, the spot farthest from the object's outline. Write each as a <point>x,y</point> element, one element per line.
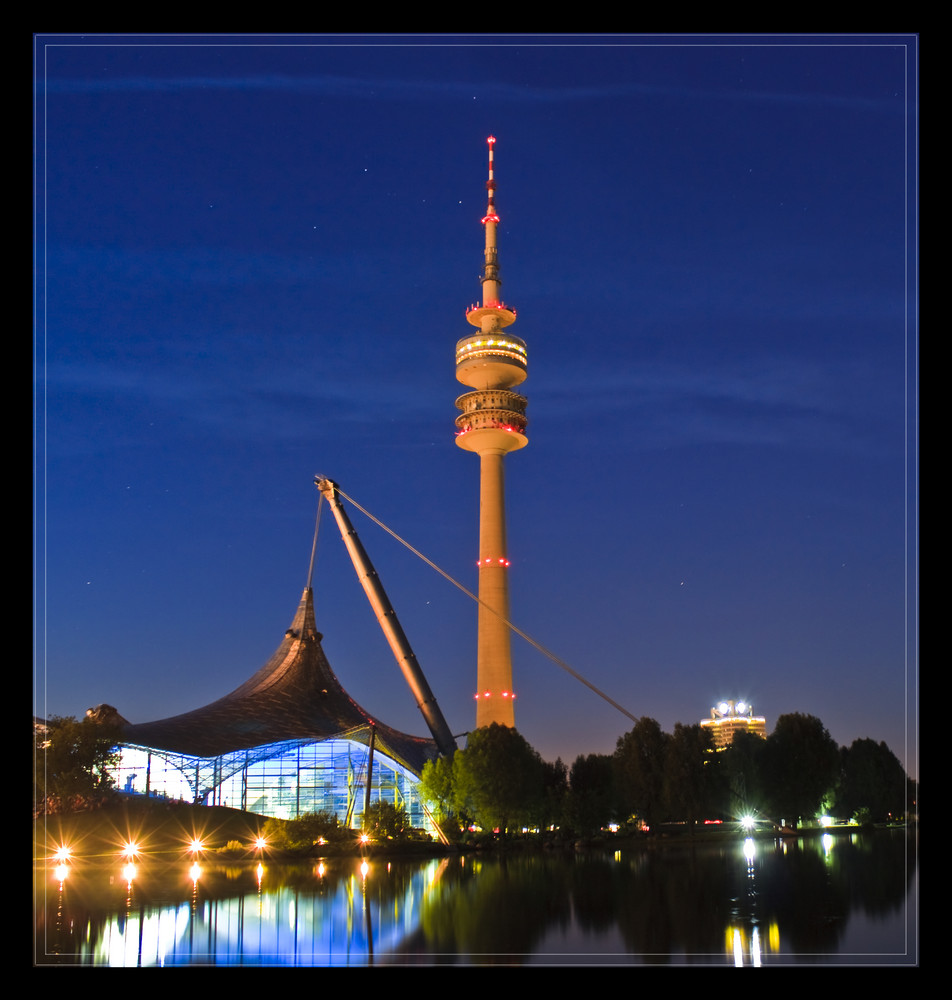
<point>500,782</point>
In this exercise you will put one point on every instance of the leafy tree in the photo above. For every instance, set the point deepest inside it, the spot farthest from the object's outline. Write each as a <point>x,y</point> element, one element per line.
<point>385,820</point>
<point>590,803</point>
<point>555,779</point>
<point>639,770</point>
<point>498,779</point>
<point>872,779</point>
<point>551,805</point>
<point>800,766</point>
<point>689,774</point>
<point>71,763</point>
<point>436,785</point>
<point>742,764</point>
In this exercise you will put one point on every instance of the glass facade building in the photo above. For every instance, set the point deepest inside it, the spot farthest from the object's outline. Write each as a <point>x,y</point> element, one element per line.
<point>285,780</point>
<point>288,741</point>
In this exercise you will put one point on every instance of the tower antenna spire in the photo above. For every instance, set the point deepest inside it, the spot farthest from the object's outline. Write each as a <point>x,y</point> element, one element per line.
<point>492,423</point>
<point>490,220</point>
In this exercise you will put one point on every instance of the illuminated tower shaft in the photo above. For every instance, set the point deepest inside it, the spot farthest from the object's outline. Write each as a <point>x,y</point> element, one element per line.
<point>492,423</point>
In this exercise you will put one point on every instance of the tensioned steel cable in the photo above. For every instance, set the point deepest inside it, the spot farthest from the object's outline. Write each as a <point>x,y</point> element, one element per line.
<point>317,524</point>
<point>532,642</point>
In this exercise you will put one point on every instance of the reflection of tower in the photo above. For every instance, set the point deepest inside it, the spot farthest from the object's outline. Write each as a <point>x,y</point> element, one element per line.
<point>493,422</point>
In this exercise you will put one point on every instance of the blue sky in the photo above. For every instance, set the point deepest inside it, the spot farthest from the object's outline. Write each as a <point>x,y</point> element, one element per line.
<point>253,259</point>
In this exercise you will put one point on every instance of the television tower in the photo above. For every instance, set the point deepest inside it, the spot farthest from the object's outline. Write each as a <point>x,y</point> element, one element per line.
<point>492,423</point>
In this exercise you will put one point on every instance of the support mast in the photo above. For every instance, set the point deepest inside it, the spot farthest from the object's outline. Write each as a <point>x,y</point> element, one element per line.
<point>387,618</point>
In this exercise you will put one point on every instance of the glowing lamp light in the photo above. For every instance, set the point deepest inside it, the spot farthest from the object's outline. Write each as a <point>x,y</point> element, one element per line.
<point>196,845</point>
<point>260,843</point>
<point>130,849</point>
<point>62,854</point>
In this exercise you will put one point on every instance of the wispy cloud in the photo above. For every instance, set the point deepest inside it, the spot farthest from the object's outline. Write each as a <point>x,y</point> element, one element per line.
<point>392,89</point>
<point>834,406</point>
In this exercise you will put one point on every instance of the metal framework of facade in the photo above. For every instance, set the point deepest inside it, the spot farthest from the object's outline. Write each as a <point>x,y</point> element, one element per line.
<point>291,704</point>
<point>286,779</point>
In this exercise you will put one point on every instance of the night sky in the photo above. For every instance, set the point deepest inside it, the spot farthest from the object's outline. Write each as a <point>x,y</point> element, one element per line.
<point>253,259</point>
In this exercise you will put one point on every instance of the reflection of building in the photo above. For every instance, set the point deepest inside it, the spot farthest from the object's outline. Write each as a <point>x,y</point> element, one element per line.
<point>728,718</point>
<point>492,424</point>
<point>286,742</point>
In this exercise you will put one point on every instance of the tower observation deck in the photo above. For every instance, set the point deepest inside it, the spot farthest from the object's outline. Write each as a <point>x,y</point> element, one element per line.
<point>492,423</point>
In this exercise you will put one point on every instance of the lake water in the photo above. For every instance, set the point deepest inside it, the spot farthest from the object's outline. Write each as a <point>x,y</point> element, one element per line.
<point>845,899</point>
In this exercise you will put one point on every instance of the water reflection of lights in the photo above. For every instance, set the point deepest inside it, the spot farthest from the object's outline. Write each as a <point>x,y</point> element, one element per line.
<point>129,872</point>
<point>755,947</point>
<point>750,852</point>
<point>139,939</point>
<point>60,872</point>
<point>195,872</point>
<point>740,946</point>
<point>330,925</point>
<point>743,941</point>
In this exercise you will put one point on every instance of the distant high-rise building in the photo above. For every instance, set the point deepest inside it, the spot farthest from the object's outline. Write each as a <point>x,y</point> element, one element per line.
<point>492,423</point>
<point>728,718</point>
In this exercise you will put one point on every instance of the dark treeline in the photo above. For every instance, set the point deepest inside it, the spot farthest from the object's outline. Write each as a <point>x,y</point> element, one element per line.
<point>499,782</point>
